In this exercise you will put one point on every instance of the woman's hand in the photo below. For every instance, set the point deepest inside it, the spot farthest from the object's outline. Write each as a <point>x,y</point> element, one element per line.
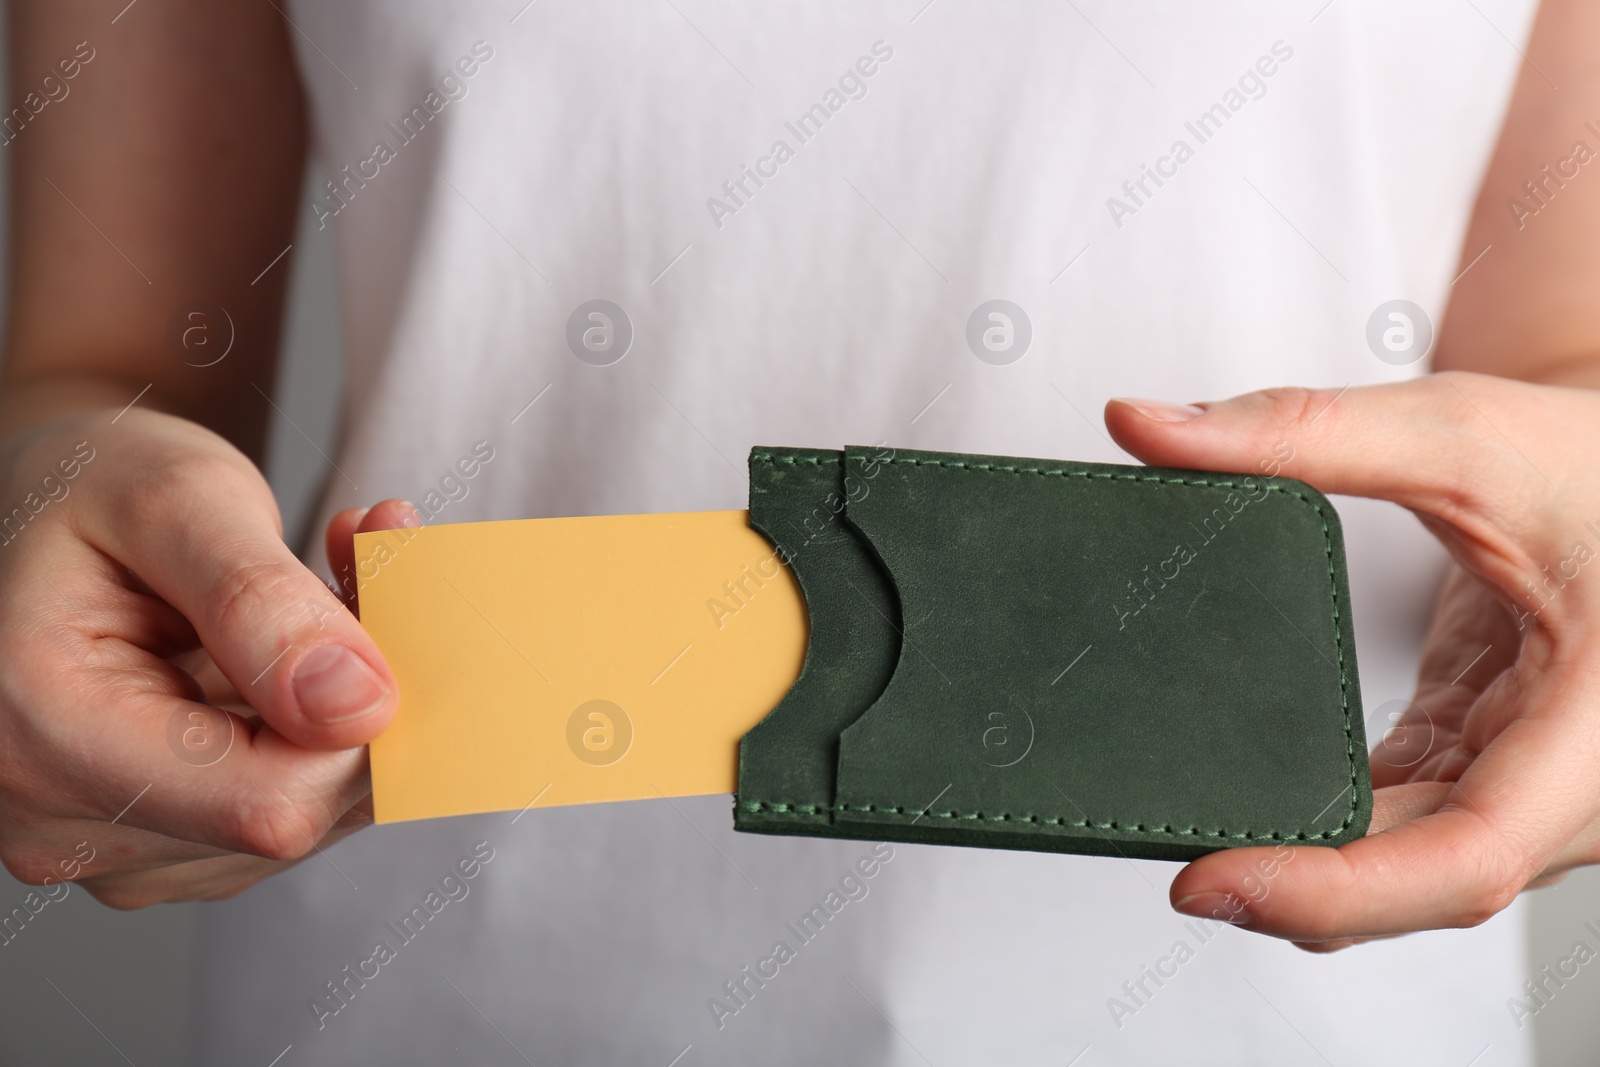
<point>1491,782</point>
<point>145,586</point>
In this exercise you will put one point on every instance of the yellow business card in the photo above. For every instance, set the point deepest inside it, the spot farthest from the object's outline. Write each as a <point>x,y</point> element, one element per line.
<point>571,661</point>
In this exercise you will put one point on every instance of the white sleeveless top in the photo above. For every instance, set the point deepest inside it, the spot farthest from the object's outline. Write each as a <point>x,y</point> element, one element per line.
<point>798,208</point>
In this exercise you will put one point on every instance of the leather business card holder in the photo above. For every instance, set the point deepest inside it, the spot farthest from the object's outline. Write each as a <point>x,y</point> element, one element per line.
<point>1069,657</point>
<point>964,650</point>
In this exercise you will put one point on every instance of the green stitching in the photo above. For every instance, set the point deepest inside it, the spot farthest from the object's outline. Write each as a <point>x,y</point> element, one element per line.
<point>818,811</point>
<point>1247,835</point>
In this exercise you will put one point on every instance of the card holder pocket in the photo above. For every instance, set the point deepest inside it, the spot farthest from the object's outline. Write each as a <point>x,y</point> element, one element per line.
<point>797,501</point>
<point>1034,654</point>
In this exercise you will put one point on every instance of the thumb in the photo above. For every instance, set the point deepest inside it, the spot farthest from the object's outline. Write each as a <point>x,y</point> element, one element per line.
<point>207,543</point>
<point>1426,444</point>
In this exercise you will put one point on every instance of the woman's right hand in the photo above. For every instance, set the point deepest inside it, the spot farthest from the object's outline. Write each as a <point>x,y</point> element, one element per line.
<point>144,586</point>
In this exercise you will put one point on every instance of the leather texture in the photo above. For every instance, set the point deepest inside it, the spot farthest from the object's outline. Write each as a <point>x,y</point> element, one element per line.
<point>797,501</point>
<point>1020,653</point>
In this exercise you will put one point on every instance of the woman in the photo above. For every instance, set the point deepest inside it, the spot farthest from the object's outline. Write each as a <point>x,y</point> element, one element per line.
<point>1195,206</point>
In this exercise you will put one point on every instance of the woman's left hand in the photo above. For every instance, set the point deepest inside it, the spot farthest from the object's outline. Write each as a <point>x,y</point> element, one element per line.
<point>1506,791</point>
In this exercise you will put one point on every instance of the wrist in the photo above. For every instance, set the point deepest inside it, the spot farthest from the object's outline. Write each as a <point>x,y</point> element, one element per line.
<point>1582,372</point>
<point>30,403</point>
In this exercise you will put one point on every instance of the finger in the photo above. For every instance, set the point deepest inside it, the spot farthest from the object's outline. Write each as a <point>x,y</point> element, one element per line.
<point>203,535</point>
<point>84,591</point>
<point>393,514</point>
<point>339,544</point>
<point>211,879</point>
<point>1490,835</point>
<point>1582,851</point>
<point>1323,948</point>
<point>69,850</point>
<point>1470,646</point>
<point>215,878</point>
<point>1400,804</point>
<point>126,738</point>
<point>1471,639</point>
<point>215,686</point>
<point>1368,887</point>
<point>1422,443</point>
<point>65,850</point>
<point>246,789</point>
<point>1424,744</point>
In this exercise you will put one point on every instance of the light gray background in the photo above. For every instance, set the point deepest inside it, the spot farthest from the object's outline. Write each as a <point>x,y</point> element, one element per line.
<point>85,985</point>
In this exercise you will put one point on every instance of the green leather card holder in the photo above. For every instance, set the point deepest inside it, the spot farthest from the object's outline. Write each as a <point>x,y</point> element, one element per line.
<point>1066,657</point>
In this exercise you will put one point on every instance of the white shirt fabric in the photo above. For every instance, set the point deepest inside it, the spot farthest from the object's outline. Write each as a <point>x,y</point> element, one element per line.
<point>828,306</point>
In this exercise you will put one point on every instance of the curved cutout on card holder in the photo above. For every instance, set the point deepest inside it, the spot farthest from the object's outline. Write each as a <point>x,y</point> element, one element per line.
<point>1169,655</point>
<point>797,501</point>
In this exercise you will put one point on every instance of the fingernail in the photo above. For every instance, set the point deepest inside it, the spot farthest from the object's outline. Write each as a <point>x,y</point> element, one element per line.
<point>411,520</point>
<point>353,817</point>
<point>1161,410</point>
<point>1223,907</point>
<point>333,684</point>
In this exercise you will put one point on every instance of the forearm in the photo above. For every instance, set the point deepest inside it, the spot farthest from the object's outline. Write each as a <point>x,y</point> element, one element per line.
<point>112,383</point>
<point>164,178</point>
<point>1578,374</point>
<point>28,400</point>
<point>1523,301</point>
